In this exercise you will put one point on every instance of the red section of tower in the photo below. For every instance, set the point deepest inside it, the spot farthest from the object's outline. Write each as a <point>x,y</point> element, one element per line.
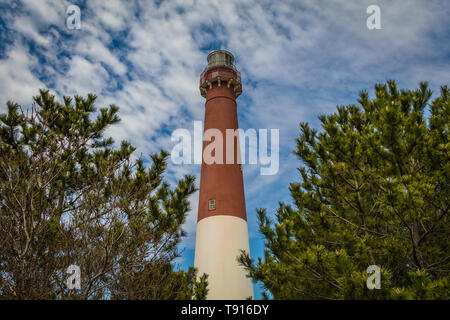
<point>221,185</point>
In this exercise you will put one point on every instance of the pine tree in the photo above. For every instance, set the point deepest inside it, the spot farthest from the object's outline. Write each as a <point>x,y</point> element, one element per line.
<point>374,190</point>
<point>68,196</point>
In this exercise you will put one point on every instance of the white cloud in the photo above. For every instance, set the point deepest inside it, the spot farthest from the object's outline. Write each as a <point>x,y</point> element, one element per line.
<point>96,51</point>
<point>46,12</point>
<point>25,26</point>
<point>113,14</point>
<point>82,77</point>
<point>18,84</point>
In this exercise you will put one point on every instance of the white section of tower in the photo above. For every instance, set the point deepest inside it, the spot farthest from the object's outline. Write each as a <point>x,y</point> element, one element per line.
<point>219,240</point>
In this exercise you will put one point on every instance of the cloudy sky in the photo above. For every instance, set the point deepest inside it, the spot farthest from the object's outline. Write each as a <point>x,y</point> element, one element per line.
<point>298,59</point>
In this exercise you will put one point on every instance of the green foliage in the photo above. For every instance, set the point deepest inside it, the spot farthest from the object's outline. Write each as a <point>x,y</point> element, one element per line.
<point>67,196</point>
<point>374,190</point>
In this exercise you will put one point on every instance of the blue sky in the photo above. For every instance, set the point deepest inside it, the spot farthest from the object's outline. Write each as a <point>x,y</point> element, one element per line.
<point>298,60</point>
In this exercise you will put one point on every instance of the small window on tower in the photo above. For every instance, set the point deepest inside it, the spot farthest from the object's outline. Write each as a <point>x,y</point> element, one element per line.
<point>212,204</point>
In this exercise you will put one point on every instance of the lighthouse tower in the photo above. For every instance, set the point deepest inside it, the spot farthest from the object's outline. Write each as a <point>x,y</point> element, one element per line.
<point>222,220</point>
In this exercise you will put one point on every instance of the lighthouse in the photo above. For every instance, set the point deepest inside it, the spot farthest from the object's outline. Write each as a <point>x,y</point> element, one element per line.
<point>222,221</point>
